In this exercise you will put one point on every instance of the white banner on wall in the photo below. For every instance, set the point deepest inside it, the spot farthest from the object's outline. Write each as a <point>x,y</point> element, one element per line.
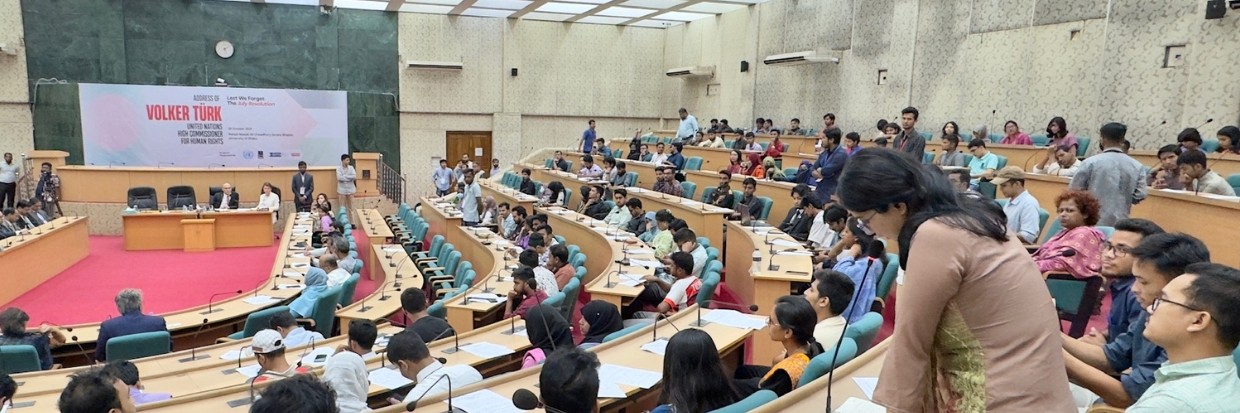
<point>182,126</point>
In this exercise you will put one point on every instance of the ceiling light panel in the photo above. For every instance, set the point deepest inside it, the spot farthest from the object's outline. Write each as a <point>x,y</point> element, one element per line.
<point>602,20</point>
<point>624,12</point>
<point>503,4</point>
<point>713,8</point>
<point>425,8</point>
<point>474,11</point>
<point>682,16</point>
<point>571,8</point>
<point>653,4</point>
<point>553,17</point>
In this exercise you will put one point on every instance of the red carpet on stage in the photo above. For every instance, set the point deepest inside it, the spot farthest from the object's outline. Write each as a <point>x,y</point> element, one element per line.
<point>170,280</point>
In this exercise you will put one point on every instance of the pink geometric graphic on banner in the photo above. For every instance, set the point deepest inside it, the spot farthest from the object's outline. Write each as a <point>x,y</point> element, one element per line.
<point>115,122</point>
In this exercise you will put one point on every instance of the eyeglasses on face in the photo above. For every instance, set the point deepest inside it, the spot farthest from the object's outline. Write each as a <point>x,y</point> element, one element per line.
<point>1160,300</point>
<point>1107,246</point>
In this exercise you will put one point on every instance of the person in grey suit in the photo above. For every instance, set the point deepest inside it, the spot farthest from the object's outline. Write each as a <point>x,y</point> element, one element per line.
<point>303,188</point>
<point>225,199</point>
<point>36,212</point>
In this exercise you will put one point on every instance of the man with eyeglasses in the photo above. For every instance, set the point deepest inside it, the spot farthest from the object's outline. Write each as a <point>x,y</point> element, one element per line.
<point>1117,269</point>
<point>1196,320</point>
<point>1157,260</point>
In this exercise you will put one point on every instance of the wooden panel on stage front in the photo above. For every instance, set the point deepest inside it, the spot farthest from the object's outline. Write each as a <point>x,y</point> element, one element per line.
<point>29,262</point>
<point>163,230</point>
<point>199,234</point>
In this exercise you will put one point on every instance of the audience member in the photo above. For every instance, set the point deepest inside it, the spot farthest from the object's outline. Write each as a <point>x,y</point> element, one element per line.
<point>1013,136</point>
<point>852,143</point>
<point>1022,208</point>
<point>830,163</point>
<point>544,277</point>
<point>688,126</point>
<point>292,333</point>
<point>958,260</point>
<point>676,159</point>
<point>828,123</point>
<point>830,293</point>
<point>722,197</point>
<point>667,297</point>
<point>343,259</point>
<point>427,327</point>
<point>1077,214</point>
<point>553,195</point>
<point>1199,332</point>
<point>335,275</point>
<point>959,180</point>
<point>8,388</point>
<point>127,372</point>
<point>95,391</point>
<point>794,128</point>
<point>1112,176</point>
<point>749,207</point>
<point>811,214</point>
<point>1117,268</point>
<point>700,384</point>
<point>828,227</point>
<point>527,184</point>
<point>1190,140</point>
<point>588,137</point>
<point>593,206</point>
<point>558,265</point>
<point>1194,165</point>
<point>268,200</point>
<point>268,347</point>
<point>561,163</point>
<point>658,158</point>
<point>862,258</point>
<point>792,324</point>
<point>772,170</point>
<point>413,359</point>
<point>950,156</point>
<point>1064,162</point>
<point>471,200</point>
<point>984,162</point>
<point>598,319</point>
<point>1057,131</point>
<point>13,327</point>
<point>9,171</point>
<point>321,201</point>
<point>796,212</point>
<point>753,166</point>
<point>589,170</point>
<point>909,140</point>
<point>131,321</point>
<point>666,182</point>
<point>1229,140</point>
<point>303,393</point>
<point>36,212</point>
<point>8,224</point>
<point>1158,259</point>
<point>316,285</point>
<point>569,381</point>
<point>524,295</point>
<point>346,372</point>
<point>1166,174</point>
<point>618,175</point>
<point>547,331</point>
<point>638,223</point>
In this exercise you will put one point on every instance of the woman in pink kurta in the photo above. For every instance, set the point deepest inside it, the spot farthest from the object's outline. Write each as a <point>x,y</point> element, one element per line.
<point>975,328</point>
<point>1078,213</point>
<point>1013,136</point>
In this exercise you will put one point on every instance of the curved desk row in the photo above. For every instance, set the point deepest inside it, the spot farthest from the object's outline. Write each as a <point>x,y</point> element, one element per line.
<point>479,246</point>
<point>812,397</point>
<point>26,259</point>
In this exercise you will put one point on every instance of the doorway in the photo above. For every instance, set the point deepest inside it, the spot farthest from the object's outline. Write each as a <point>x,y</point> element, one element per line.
<point>475,144</point>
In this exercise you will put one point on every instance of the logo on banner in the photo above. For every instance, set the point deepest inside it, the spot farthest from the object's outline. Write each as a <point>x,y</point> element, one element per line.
<point>260,154</point>
<point>275,155</point>
<point>248,154</point>
<point>295,154</point>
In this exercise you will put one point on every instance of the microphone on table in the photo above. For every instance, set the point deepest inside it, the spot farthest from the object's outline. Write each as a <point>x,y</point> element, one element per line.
<point>241,355</point>
<point>161,164</point>
<point>526,400</point>
<point>193,351</point>
<point>73,338</point>
<point>655,331</point>
<point>211,301</point>
<point>111,164</point>
<point>500,276</point>
<point>414,404</point>
<point>383,293</point>
<point>456,340</point>
<point>254,380</point>
<point>700,322</point>
<point>305,351</point>
<point>835,357</point>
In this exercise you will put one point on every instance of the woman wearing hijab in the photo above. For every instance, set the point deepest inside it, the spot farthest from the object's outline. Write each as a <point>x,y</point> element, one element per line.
<point>547,331</point>
<point>805,174</point>
<point>598,319</point>
<point>316,284</point>
<point>772,171</point>
<point>754,166</point>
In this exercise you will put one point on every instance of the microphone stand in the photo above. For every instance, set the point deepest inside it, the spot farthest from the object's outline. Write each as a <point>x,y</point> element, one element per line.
<point>655,331</point>
<point>193,351</point>
<point>835,357</point>
<point>414,404</point>
<point>211,302</point>
<point>700,322</point>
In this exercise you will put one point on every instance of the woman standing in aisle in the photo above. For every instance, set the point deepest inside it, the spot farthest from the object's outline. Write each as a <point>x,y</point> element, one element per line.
<point>346,182</point>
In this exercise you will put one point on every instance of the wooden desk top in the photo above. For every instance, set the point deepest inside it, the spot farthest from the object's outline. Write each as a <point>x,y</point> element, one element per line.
<point>385,300</point>
<point>37,233</point>
<point>485,240</point>
<point>215,396</point>
<point>813,396</point>
<point>373,224</point>
<point>625,351</point>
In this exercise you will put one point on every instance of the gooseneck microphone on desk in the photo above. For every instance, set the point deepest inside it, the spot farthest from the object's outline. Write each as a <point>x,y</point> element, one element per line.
<point>526,400</point>
<point>211,301</point>
<point>836,355</point>
<point>193,351</point>
<point>414,404</point>
<point>655,331</point>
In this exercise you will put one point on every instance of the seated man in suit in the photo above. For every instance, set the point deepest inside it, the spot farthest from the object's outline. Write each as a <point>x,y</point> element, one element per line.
<point>812,212</point>
<point>131,321</point>
<point>23,215</point>
<point>36,213</point>
<point>225,199</point>
<point>8,224</point>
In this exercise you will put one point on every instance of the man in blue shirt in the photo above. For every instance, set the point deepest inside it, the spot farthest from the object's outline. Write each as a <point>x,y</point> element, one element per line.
<point>1117,267</point>
<point>587,138</point>
<point>984,162</point>
<point>1022,208</point>
<point>443,178</point>
<point>688,126</point>
<point>829,166</point>
<point>1157,260</point>
<point>471,201</point>
<point>677,160</point>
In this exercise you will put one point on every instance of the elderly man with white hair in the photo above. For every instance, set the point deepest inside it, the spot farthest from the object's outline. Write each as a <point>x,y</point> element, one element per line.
<point>131,321</point>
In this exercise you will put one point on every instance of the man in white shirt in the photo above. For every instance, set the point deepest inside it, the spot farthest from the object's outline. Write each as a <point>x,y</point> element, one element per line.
<point>1195,166</point>
<point>1022,208</point>
<point>545,278</point>
<point>335,274</point>
<point>1064,164</point>
<point>659,157</point>
<point>409,354</point>
<point>827,227</point>
<point>293,334</point>
<point>8,181</point>
<point>346,372</point>
<point>589,169</point>
<point>829,293</point>
<point>688,126</point>
<point>619,216</point>
<point>471,201</point>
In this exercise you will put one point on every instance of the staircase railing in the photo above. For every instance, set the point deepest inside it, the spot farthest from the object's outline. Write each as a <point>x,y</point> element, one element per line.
<point>391,183</point>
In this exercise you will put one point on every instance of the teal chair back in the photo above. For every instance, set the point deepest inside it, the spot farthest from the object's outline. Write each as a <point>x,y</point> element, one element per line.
<point>790,173</point>
<point>19,359</point>
<point>467,278</point>
<point>136,346</point>
<point>1002,161</point>
<point>560,239</point>
<point>437,308</point>
<point>547,164</point>
<point>578,260</point>
<point>570,298</point>
<point>766,207</point>
<point>927,136</point>
<point>1209,145</point>
<point>1107,232</point>
<point>624,331</point>
<point>693,163</point>
<point>1040,140</point>
<point>1234,181</point>
<point>821,364</point>
<point>579,273</point>
<point>1052,230</point>
<point>630,179</point>
<point>927,157</point>
<point>617,153</point>
<point>690,188</point>
<point>737,196</point>
<point>454,259</point>
<point>568,195</point>
<point>555,301</point>
<point>324,313</point>
<point>1043,216</point>
<point>256,321</point>
<point>1082,145</point>
<point>889,276</point>
<point>461,269</point>
<point>573,250</point>
<point>1075,299</point>
<point>704,241</point>
<point>864,330</point>
<point>712,254</point>
<point>707,194</point>
<point>436,245</point>
<point>995,137</point>
<point>710,281</point>
<point>349,288</point>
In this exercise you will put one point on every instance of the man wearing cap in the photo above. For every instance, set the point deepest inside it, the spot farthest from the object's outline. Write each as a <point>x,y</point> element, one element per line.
<point>268,347</point>
<point>1022,208</point>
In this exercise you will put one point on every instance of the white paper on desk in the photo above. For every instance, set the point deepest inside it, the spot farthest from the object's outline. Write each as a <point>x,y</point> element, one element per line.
<point>249,371</point>
<point>657,347</point>
<point>523,332</point>
<point>629,376</point>
<point>484,401</point>
<point>609,390</point>
<point>235,354</point>
<point>485,350</point>
<point>309,358</point>
<point>620,237</point>
<point>393,250</point>
<point>855,405</point>
<point>260,300</point>
<point>388,378</point>
<point>490,298</point>
<point>293,274</point>
<point>290,286</point>
<point>173,325</point>
<point>867,385</point>
<point>382,340</point>
<point>735,319</point>
<point>639,251</point>
<point>631,280</point>
<point>645,263</point>
<point>785,243</point>
<point>796,253</point>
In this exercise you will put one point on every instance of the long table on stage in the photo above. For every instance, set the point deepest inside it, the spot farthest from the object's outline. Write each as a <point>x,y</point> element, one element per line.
<point>163,230</point>
<point>27,260</point>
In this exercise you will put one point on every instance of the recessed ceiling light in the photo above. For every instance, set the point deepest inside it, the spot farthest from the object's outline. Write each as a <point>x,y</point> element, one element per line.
<point>473,11</point>
<point>554,17</point>
<point>682,16</point>
<point>565,8</point>
<point>602,20</point>
<point>713,8</point>
<point>653,4</point>
<point>425,8</point>
<point>503,4</point>
<point>624,12</point>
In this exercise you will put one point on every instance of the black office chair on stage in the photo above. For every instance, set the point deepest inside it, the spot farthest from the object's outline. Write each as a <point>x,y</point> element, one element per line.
<point>181,196</point>
<point>143,197</point>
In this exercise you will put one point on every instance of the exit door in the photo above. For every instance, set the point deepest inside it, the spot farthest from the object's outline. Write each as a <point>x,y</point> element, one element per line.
<point>477,145</point>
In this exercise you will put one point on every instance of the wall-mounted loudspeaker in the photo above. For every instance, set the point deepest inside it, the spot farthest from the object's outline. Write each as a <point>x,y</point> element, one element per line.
<point>1215,9</point>
<point>744,66</point>
<point>514,72</point>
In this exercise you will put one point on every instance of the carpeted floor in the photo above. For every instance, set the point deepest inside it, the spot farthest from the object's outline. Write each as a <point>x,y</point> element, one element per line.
<point>169,280</point>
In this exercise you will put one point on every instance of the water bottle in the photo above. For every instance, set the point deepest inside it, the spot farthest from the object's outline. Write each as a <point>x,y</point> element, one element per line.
<point>756,266</point>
